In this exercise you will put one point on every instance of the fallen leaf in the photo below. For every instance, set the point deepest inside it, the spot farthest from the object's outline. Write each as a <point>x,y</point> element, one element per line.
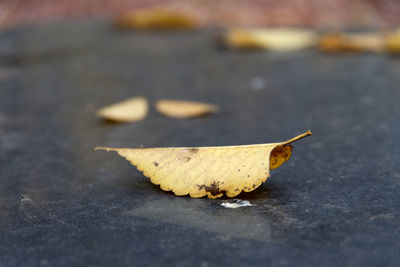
<point>392,42</point>
<point>209,171</point>
<point>236,203</point>
<point>184,109</point>
<point>156,18</point>
<point>351,42</point>
<point>269,39</point>
<point>133,109</point>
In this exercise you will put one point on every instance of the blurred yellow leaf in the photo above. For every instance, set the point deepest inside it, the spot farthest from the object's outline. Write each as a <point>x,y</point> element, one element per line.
<point>133,109</point>
<point>269,39</point>
<point>351,42</point>
<point>184,109</point>
<point>209,171</point>
<point>392,41</point>
<point>156,18</point>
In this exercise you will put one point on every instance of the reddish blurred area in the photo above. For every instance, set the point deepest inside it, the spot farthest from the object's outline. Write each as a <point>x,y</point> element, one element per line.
<point>313,13</point>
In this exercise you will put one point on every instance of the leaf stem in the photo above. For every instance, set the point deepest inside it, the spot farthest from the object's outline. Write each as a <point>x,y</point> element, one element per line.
<point>294,139</point>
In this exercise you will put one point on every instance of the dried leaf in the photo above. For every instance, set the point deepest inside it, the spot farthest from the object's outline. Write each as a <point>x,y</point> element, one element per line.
<point>133,109</point>
<point>209,171</point>
<point>392,41</point>
<point>351,42</point>
<point>269,39</point>
<point>184,109</point>
<point>156,19</point>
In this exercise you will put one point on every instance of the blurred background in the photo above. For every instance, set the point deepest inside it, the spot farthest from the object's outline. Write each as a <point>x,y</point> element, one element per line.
<point>320,13</point>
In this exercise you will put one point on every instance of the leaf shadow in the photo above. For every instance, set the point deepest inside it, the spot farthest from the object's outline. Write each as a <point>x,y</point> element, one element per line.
<point>267,191</point>
<point>107,122</point>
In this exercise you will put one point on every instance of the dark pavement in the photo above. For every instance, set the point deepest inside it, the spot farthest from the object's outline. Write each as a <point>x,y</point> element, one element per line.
<point>335,203</point>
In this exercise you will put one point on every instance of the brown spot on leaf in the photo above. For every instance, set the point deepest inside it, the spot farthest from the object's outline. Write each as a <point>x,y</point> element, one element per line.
<point>155,163</point>
<point>214,189</point>
<point>193,150</point>
<point>201,186</point>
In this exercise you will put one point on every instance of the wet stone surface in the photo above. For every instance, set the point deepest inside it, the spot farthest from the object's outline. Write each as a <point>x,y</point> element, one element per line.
<point>335,203</point>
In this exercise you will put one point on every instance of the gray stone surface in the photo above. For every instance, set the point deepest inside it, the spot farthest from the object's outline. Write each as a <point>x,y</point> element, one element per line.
<point>335,203</point>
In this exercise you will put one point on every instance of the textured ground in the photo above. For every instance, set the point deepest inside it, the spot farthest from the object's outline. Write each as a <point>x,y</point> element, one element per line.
<point>335,203</point>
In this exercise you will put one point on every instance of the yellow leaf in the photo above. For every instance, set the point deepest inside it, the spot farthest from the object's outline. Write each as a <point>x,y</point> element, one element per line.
<point>392,41</point>
<point>156,18</point>
<point>351,42</point>
<point>269,39</point>
<point>133,109</point>
<point>184,109</point>
<point>209,171</point>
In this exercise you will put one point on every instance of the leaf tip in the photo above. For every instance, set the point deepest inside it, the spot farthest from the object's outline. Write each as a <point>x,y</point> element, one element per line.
<point>108,149</point>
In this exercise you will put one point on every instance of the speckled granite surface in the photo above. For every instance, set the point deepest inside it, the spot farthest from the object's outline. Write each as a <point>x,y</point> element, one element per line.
<point>335,203</point>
